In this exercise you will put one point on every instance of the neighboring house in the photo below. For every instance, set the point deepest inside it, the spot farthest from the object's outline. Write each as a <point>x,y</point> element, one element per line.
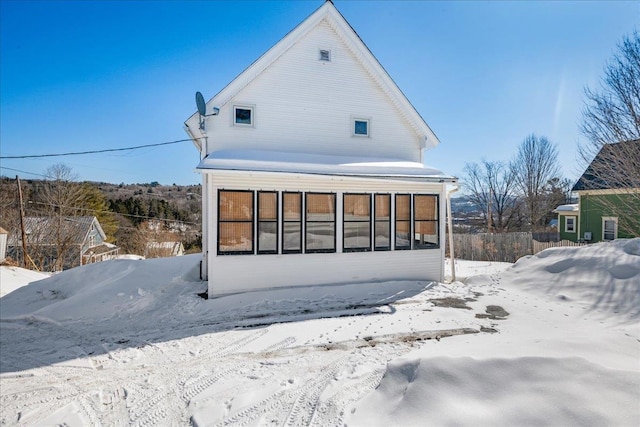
<point>608,202</point>
<point>163,249</point>
<point>312,170</point>
<point>568,221</point>
<point>3,244</point>
<point>55,243</point>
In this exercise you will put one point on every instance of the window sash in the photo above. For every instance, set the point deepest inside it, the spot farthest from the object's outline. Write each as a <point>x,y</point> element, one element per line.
<point>320,222</point>
<point>291,222</point>
<point>570,224</point>
<point>425,221</point>
<point>267,222</point>
<point>609,229</point>
<point>382,229</point>
<point>356,227</point>
<point>403,222</point>
<point>235,222</point>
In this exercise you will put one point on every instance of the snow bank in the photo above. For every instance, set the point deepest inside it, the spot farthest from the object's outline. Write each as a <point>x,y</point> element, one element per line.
<point>567,354</point>
<point>12,278</point>
<point>97,291</point>
<point>501,392</point>
<point>606,276</point>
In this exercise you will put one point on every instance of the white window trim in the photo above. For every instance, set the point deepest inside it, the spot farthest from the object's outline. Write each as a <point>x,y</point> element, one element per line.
<point>615,226</point>
<point>252,108</point>
<point>355,119</point>
<point>566,224</point>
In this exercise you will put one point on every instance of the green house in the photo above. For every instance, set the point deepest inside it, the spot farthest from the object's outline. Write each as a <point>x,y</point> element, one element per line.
<point>608,197</point>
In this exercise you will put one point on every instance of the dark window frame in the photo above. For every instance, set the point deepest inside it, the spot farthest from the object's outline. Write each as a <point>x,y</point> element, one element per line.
<point>252,221</point>
<point>344,222</point>
<point>285,220</point>
<point>397,247</point>
<point>306,222</point>
<point>376,221</point>
<point>259,221</point>
<point>414,244</point>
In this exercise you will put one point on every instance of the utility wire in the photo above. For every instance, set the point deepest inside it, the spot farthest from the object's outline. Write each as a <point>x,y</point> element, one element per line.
<point>107,150</point>
<point>29,173</point>
<point>112,212</point>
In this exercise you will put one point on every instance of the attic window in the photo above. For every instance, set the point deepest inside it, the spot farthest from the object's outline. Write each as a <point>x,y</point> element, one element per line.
<point>325,55</point>
<point>242,116</point>
<point>361,127</point>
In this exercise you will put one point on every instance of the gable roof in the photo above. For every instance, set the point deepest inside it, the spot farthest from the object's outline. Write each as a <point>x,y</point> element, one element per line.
<point>329,14</point>
<point>609,170</point>
<point>42,230</point>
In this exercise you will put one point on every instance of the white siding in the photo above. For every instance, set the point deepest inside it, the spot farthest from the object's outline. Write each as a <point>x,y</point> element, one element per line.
<point>303,104</point>
<point>237,273</point>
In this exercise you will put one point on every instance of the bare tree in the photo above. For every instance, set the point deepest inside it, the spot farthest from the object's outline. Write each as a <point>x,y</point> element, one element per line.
<point>60,197</point>
<point>611,122</point>
<point>534,166</point>
<point>612,114</point>
<point>490,186</point>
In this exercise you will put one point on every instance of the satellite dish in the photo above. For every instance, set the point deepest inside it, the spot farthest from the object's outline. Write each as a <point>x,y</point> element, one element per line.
<point>202,107</point>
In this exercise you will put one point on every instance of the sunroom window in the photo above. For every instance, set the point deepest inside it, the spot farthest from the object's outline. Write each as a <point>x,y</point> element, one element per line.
<point>235,222</point>
<point>403,221</point>
<point>292,222</point>
<point>267,222</point>
<point>320,222</point>
<point>357,222</point>
<point>425,221</point>
<point>382,228</point>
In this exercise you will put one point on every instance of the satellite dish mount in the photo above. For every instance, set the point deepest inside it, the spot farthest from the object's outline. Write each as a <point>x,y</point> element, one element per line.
<point>202,109</point>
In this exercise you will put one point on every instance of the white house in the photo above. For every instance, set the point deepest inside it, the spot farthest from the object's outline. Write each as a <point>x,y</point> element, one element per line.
<point>312,170</point>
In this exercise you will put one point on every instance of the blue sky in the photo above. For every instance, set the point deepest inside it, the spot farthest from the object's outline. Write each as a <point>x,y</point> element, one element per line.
<point>79,76</point>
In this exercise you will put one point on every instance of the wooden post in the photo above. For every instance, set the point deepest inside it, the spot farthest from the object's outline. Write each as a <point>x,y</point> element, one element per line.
<point>24,234</point>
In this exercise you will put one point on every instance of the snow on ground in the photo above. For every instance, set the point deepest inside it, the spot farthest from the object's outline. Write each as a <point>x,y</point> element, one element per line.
<point>551,340</point>
<point>12,278</point>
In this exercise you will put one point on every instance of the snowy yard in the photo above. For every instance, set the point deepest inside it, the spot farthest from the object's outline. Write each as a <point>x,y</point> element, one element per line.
<point>552,340</point>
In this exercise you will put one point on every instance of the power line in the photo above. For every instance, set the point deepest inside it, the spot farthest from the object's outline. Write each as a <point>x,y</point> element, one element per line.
<point>112,212</point>
<point>107,150</point>
<point>29,173</point>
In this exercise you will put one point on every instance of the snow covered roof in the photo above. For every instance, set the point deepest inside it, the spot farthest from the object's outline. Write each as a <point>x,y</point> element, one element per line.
<point>319,164</point>
<point>567,208</point>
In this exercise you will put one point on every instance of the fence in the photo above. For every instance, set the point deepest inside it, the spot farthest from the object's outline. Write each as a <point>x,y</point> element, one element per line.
<point>502,247</point>
<point>541,246</point>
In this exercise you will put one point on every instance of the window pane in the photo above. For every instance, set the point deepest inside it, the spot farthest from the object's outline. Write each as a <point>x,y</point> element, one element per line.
<point>243,116</point>
<point>357,235</point>
<point>292,206</point>
<point>357,207</point>
<point>321,236</point>
<point>268,205</point>
<point>361,127</point>
<point>235,237</point>
<point>402,235</point>
<point>320,206</point>
<point>383,206</point>
<point>268,236</point>
<point>425,207</point>
<point>383,235</point>
<point>236,205</point>
<point>291,237</point>
<point>403,207</point>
